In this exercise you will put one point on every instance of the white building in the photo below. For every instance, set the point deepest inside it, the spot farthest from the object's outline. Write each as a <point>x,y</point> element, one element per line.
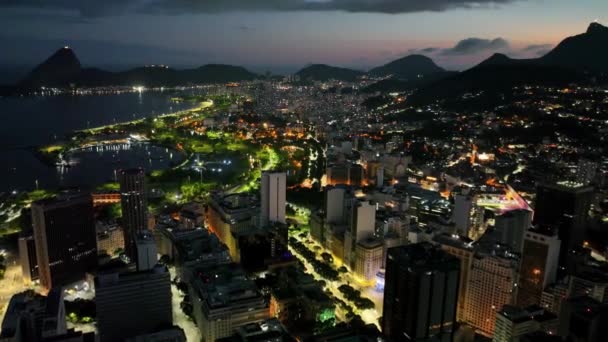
<point>273,197</point>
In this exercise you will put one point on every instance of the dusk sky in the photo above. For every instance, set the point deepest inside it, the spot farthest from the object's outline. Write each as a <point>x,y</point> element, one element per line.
<point>283,35</point>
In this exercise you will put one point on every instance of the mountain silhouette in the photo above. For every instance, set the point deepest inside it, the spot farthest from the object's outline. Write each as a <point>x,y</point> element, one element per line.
<point>63,69</point>
<point>587,51</point>
<point>324,72</point>
<point>60,67</point>
<point>576,59</point>
<point>408,67</point>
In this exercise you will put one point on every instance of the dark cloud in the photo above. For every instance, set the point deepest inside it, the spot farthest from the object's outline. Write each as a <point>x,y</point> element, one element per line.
<point>471,46</point>
<point>424,51</point>
<point>537,49</point>
<point>96,8</point>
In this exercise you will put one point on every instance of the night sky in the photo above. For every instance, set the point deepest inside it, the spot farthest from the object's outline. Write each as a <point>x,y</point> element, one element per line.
<point>283,35</point>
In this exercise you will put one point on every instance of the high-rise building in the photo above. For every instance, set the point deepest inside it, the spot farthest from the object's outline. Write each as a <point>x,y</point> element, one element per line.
<point>334,204</point>
<point>31,317</point>
<point>420,294</point>
<point>361,226</point>
<point>586,171</point>
<point>553,296</point>
<point>132,304</point>
<point>230,215</point>
<point>110,238</point>
<point>146,251</point>
<point>564,205</point>
<point>27,257</point>
<point>461,215</point>
<point>462,248</point>
<point>65,238</point>
<point>514,322</point>
<point>583,319</point>
<point>538,265</point>
<point>492,280</point>
<point>511,226</point>
<point>589,281</point>
<point>223,299</point>
<point>368,258</point>
<point>273,197</point>
<point>133,200</point>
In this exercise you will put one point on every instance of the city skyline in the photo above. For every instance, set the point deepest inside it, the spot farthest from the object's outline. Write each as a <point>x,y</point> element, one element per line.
<point>262,36</point>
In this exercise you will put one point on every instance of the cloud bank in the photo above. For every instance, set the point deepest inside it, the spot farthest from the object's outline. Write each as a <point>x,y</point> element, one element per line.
<point>98,8</point>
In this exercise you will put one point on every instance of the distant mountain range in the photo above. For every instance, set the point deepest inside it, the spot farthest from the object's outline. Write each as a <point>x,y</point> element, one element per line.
<point>580,58</point>
<point>323,72</point>
<point>408,67</point>
<point>64,69</point>
<point>575,59</point>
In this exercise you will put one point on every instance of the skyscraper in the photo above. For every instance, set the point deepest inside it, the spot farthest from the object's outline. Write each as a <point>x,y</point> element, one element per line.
<point>132,304</point>
<point>334,204</point>
<point>273,197</point>
<point>134,206</point>
<point>65,238</point>
<point>491,285</point>
<point>538,266</point>
<point>511,227</point>
<point>362,226</point>
<point>420,293</point>
<point>564,205</point>
<point>146,251</point>
<point>27,257</point>
<point>462,248</point>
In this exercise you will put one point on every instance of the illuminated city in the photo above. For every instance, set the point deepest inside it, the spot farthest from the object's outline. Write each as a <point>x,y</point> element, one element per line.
<point>181,171</point>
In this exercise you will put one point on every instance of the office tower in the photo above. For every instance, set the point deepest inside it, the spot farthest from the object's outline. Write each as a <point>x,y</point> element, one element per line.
<point>586,171</point>
<point>356,175</point>
<point>27,257</point>
<point>514,322</point>
<point>230,215</point>
<point>591,282</point>
<point>462,248</point>
<point>317,223</point>
<point>337,174</point>
<point>420,294</point>
<point>363,219</point>
<point>132,304</point>
<point>110,238</point>
<point>511,226</point>
<point>134,206</point>
<point>334,204</point>
<point>224,298</point>
<point>146,251</point>
<point>273,200</point>
<point>380,177</point>
<point>553,297</point>
<point>368,258</point>
<point>564,205</point>
<point>32,317</point>
<point>583,319</point>
<point>361,226</point>
<point>65,238</point>
<point>538,265</point>
<point>371,170</point>
<point>491,285</point>
<point>461,215</point>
